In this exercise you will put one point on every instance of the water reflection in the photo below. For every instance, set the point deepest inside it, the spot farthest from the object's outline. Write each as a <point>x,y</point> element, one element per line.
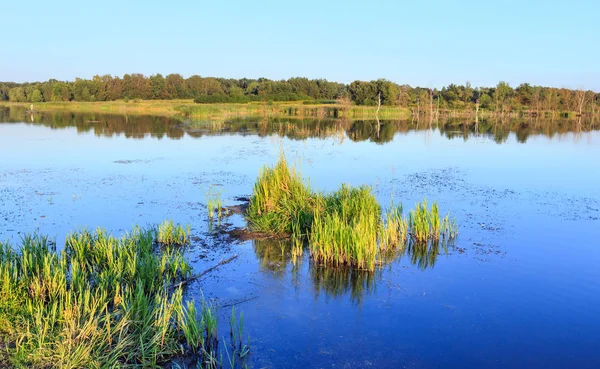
<point>425,254</point>
<point>140,126</point>
<point>275,257</point>
<point>103,125</point>
<point>339,282</point>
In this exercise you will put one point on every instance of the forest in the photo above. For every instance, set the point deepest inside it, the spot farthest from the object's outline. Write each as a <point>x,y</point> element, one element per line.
<point>501,98</point>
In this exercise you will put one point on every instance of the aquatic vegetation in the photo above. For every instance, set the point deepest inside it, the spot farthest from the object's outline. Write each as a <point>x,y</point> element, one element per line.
<point>393,231</point>
<point>346,227</point>
<point>101,302</point>
<point>345,231</point>
<point>281,203</point>
<point>425,224</point>
<point>338,282</point>
<point>170,234</point>
<point>297,250</point>
<point>214,203</point>
<point>240,350</point>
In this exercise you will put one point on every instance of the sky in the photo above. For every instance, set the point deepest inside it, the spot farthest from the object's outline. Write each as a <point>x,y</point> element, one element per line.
<point>425,43</point>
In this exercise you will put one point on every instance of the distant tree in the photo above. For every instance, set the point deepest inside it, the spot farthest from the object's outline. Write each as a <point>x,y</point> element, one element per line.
<point>60,92</point>
<point>175,85</point>
<point>36,96</point>
<point>363,93</point>
<point>158,87</point>
<point>486,101</point>
<point>501,95</point>
<point>101,88</point>
<point>17,94</point>
<point>136,86</point>
<point>3,92</point>
<point>524,94</point>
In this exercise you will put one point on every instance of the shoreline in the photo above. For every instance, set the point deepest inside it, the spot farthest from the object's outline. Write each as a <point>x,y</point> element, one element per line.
<point>222,111</point>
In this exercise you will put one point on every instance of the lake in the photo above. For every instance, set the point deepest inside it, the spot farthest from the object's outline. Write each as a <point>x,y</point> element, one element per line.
<point>518,288</point>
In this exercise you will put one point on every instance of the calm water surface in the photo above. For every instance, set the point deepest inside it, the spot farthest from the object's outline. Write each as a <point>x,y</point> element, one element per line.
<point>520,287</point>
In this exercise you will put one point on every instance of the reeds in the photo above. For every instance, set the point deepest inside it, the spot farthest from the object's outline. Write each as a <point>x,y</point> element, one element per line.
<point>214,204</point>
<point>345,231</point>
<point>101,302</point>
<point>426,225</point>
<point>346,227</point>
<point>393,232</point>
<point>171,234</point>
<point>281,203</point>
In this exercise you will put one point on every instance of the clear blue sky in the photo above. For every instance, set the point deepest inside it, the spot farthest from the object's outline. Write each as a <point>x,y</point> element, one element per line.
<point>426,43</point>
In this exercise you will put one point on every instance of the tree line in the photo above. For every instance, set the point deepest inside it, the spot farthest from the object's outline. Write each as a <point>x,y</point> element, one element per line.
<point>501,98</point>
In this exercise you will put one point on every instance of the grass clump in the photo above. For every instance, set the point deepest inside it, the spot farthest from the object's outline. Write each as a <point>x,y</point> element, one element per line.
<point>425,224</point>
<point>281,203</point>
<point>345,231</point>
<point>214,204</point>
<point>171,234</point>
<point>101,302</point>
<point>393,232</point>
<point>346,227</point>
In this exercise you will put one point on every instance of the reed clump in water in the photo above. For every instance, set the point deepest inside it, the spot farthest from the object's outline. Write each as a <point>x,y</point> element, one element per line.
<point>344,232</point>
<point>101,302</point>
<point>171,234</point>
<point>346,227</point>
<point>281,202</point>
<point>214,204</point>
<point>426,225</point>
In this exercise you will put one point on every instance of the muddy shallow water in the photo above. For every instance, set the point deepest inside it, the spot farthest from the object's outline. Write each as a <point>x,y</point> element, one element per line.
<point>518,289</point>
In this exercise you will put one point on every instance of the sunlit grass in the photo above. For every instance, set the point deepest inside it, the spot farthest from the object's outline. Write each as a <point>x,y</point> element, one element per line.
<point>171,234</point>
<point>101,302</point>
<point>214,204</point>
<point>343,228</point>
<point>281,202</point>
<point>425,224</point>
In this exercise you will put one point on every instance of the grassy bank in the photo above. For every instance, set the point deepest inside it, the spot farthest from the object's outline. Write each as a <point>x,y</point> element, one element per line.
<point>189,109</point>
<point>343,228</point>
<point>103,302</point>
<point>260,110</point>
<point>145,107</point>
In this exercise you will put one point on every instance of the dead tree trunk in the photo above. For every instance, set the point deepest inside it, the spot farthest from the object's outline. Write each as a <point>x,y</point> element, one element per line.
<point>581,94</point>
<point>477,108</point>
<point>377,113</point>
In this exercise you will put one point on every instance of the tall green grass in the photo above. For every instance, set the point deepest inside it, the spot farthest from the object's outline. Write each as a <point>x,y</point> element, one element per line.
<point>171,234</point>
<point>345,227</point>
<point>101,302</point>
<point>425,224</point>
<point>345,231</point>
<point>282,203</point>
<point>214,204</point>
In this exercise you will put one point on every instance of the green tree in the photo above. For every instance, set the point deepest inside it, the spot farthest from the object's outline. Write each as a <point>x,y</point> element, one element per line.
<point>158,87</point>
<point>36,96</point>
<point>60,92</point>
<point>175,85</point>
<point>501,95</point>
<point>17,94</point>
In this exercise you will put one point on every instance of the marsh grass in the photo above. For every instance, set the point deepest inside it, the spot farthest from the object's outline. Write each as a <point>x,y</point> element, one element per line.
<point>101,302</point>
<point>426,225</point>
<point>282,203</point>
<point>343,228</point>
<point>345,231</point>
<point>239,348</point>
<point>171,234</point>
<point>214,204</point>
